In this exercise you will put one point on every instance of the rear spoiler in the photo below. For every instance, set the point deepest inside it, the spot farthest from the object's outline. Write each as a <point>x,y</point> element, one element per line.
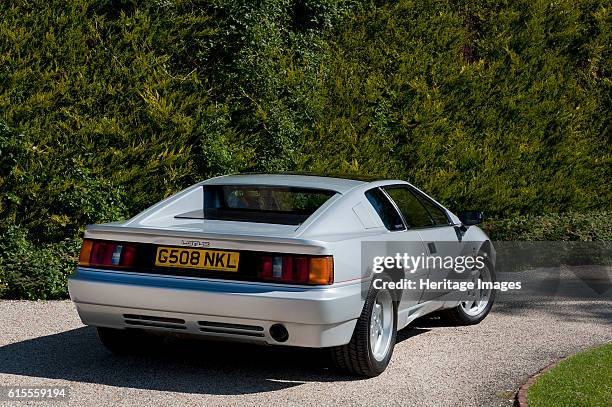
<point>198,239</point>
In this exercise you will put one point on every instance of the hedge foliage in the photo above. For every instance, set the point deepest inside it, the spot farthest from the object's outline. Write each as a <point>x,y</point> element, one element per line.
<point>107,106</point>
<point>571,226</point>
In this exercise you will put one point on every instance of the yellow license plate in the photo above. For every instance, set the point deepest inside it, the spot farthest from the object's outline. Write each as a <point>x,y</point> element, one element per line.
<point>197,259</point>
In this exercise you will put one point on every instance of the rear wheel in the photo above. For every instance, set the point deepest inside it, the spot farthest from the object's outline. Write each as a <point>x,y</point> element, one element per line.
<point>477,303</point>
<point>371,346</point>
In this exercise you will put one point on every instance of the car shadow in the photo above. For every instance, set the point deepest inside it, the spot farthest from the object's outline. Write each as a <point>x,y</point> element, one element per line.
<point>180,365</point>
<point>410,332</point>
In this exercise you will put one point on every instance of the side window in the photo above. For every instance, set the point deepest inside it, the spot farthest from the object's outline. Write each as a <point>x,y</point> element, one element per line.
<point>385,209</point>
<point>437,213</point>
<point>414,212</point>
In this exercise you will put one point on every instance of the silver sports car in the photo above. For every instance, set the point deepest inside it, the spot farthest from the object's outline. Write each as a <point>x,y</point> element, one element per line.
<point>282,260</point>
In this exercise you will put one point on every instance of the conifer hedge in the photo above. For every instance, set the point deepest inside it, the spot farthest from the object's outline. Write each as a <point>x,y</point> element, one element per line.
<point>107,106</point>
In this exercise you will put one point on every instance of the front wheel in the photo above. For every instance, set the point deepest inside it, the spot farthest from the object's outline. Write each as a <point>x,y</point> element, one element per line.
<point>371,346</point>
<point>478,302</point>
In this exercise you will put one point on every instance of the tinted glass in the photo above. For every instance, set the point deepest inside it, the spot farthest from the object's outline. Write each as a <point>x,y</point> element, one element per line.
<point>437,213</point>
<point>414,213</point>
<point>385,209</point>
<point>265,204</point>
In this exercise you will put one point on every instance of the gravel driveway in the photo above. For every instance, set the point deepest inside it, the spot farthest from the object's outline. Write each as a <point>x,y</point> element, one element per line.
<point>44,343</point>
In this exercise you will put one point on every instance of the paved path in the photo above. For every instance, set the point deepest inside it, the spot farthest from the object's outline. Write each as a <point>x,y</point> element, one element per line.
<point>44,343</point>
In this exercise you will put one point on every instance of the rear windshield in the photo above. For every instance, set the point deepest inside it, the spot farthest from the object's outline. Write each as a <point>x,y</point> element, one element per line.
<point>263,204</point>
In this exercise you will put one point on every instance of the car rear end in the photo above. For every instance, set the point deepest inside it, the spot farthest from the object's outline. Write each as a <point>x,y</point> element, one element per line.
<point>226,265</point>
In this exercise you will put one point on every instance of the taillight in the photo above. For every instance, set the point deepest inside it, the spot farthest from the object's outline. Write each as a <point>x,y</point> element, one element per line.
<point>301,269</point>
<point>107,254</point>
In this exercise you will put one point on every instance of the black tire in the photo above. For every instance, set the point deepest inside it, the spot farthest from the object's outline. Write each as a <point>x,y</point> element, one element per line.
<point>123,341</point>
<point>357,356</point>
<point>458,317</point>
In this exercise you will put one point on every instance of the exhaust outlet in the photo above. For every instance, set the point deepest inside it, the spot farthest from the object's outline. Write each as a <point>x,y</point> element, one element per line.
<point>279,333</point>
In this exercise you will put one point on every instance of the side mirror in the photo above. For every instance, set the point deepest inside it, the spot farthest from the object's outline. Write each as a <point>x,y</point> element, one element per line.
<point>469,218</point>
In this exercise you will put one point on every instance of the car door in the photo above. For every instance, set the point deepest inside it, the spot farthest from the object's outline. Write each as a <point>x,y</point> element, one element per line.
<point>434,227</point>
<point>399,240</point>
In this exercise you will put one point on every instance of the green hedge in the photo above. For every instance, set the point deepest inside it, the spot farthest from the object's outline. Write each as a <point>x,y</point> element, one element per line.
<point>33,271</point>
<point>107,106</point>
<point>502,106</point>
<point>583,227</point>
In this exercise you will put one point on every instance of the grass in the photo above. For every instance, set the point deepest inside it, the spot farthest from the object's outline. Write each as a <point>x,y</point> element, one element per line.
<point>581,380</point>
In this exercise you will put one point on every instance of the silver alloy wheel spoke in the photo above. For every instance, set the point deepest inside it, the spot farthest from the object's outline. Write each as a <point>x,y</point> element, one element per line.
<point>478,299</point>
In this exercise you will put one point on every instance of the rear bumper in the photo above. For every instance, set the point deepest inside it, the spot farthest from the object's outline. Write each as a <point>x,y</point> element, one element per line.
<point>314,317</point>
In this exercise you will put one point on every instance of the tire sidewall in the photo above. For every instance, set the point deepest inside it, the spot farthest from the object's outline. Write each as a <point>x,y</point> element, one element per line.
<point>380,366</point>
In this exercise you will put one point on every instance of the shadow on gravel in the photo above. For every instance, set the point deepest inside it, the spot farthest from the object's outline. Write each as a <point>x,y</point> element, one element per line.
<point>185,365</point>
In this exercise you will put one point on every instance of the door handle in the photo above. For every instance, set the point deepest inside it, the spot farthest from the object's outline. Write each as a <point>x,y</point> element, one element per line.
<point>432,247</point>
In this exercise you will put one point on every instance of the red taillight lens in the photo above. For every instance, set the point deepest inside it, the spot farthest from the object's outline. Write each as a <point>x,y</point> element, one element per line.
<point>108,254</point>
<point>127,257</point>
<point>287,270</point>
<point>315,270</point>
<point>265,267</point>
<point>301,268</point>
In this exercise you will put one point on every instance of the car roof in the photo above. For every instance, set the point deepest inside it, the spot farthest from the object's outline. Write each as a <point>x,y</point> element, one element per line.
<point>341,185</point>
